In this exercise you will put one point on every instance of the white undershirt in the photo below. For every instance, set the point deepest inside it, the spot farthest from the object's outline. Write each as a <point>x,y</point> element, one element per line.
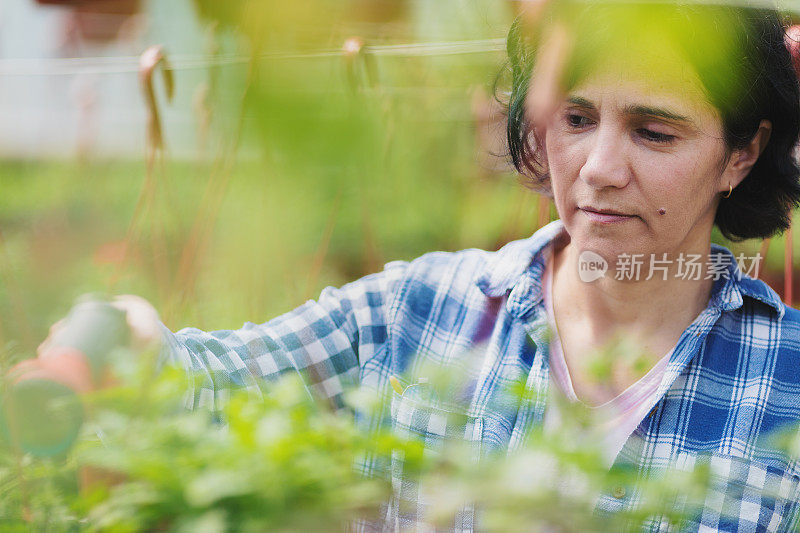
<point>615,419</point>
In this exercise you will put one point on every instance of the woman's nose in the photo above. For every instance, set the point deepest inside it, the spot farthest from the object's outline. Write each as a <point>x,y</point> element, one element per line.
<point>606,163</point>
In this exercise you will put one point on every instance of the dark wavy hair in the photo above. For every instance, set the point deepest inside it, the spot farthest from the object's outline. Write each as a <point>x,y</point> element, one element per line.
<point>743,64</point>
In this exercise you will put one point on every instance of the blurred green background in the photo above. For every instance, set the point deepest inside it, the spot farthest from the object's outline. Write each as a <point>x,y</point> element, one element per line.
<point>304,167</point>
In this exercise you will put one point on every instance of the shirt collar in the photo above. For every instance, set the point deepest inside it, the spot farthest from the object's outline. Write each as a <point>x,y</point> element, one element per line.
<point>516,270</point>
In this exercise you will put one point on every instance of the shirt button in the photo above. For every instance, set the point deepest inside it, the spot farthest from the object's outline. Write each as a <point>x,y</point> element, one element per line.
<point>618,492</point>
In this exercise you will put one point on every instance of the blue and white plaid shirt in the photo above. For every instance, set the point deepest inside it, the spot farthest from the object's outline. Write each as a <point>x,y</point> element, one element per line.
<point>733,377</point>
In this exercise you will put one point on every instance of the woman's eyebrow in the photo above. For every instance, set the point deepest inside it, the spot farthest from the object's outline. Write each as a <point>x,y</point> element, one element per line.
<point>580,102</point>
<point>642,110</point>
<point>638,110</point>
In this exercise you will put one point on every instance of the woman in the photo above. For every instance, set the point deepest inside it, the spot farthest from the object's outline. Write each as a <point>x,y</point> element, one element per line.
<point>643,156</point>
<point>654,124</point>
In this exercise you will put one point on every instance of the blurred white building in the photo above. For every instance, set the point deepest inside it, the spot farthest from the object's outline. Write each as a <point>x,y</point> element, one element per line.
<point>53,106</point>
<point>69,84</point>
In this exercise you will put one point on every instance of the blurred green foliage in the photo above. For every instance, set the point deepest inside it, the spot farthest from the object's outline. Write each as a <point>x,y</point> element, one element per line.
<point>272,459</point>
<point>312,173</point>
<point>316,170</point>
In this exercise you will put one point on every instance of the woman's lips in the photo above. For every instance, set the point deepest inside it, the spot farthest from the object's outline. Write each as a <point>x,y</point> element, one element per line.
<point>605,218</point>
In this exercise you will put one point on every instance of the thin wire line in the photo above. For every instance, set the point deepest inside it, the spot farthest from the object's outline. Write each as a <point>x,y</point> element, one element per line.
<point>130,64</point>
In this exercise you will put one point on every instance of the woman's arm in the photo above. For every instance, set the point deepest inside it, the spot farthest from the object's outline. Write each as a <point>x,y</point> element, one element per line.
<point>327,341</point>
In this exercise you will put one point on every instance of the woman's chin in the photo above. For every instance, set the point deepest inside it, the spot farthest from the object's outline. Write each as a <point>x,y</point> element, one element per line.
<point>609,247</point>
<point>611,254</point>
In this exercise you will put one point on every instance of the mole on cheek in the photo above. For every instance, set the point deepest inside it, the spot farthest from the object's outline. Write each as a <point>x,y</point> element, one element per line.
<point>662,211</point>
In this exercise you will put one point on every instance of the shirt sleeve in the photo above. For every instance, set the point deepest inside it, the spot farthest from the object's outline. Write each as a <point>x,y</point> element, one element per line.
<point>327,341</point>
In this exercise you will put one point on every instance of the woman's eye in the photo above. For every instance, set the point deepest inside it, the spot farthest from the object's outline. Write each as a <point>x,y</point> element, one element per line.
<point>578,121</point>
<point>655,136</point>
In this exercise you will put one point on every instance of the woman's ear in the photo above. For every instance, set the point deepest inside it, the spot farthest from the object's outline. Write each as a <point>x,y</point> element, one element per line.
<point>743,159</point>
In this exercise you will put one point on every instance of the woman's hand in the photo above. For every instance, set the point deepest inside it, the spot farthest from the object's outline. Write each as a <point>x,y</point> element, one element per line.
<point>142,318</point>
<point>71,367</point>
<point>143,321</point>
<point>73,360</point>
<point>60,363</point>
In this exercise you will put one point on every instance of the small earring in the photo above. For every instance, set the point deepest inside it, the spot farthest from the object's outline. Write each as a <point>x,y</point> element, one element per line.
<point>730,190</point>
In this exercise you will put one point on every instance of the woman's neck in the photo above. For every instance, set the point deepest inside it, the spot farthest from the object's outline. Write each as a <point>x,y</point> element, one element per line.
<point>647,307</point>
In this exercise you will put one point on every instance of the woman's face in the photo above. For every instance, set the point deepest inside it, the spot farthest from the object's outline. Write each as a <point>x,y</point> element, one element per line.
<point>639,142</point>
